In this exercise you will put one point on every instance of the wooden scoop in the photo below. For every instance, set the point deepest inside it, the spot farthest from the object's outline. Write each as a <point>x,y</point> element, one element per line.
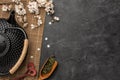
<point>47,71</point>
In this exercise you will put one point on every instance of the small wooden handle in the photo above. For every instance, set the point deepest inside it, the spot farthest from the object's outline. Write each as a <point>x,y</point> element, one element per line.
<point>20,60</point>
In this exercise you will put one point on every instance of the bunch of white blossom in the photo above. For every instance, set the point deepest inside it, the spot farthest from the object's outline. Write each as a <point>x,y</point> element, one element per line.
<point>6,8</point>
<point>49,7</point>
<point>33,7</point>
<point>19,8</point>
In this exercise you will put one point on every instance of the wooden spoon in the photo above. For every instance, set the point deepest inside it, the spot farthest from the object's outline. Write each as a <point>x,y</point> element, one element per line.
<point>47,75</point>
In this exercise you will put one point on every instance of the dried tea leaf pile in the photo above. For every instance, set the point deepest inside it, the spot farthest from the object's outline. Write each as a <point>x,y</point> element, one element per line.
<point>48,66</point>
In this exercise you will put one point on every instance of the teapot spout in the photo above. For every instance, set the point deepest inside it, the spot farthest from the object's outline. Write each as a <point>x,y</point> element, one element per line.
<point>11,19</point>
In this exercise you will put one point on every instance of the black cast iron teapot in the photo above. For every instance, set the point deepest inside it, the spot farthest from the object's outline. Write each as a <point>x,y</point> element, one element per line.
<point>13,45</point>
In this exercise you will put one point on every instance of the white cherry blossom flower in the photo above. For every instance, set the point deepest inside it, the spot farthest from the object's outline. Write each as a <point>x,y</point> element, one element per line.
<point>20,10</point>
<point>41,3</point>
<point>4,8</point>
<point>33,7</point>
<point>16,1</point>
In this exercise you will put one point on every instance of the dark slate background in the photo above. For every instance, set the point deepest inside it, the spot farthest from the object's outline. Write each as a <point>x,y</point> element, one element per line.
<point>86,42</point>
